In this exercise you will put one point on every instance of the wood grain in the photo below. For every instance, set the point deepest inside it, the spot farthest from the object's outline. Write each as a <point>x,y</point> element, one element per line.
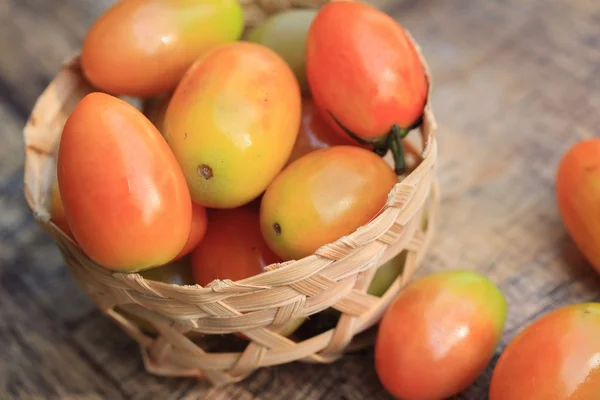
<point>515,84</point>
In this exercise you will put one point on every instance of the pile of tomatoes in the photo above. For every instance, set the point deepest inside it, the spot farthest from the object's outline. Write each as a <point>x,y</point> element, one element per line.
<point>257,147</point>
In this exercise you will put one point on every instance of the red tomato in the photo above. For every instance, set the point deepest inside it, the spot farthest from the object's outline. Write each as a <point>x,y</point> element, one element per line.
<point>197,231</point>
<point>578,197</point>
<point>557,357</point>
<point>124,194</point>
<point>315,133</point>
<point>439,335</point>
<point>233,247</point>
<point>367,74</point>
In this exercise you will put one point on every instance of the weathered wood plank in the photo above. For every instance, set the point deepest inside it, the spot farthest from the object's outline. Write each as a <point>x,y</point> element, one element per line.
<point>515,84</point>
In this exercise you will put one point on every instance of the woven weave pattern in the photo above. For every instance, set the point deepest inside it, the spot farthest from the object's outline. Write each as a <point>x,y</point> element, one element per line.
<point>336,276</point>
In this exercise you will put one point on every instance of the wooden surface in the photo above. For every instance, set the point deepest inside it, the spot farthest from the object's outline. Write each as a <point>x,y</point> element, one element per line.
<point>516,83</point>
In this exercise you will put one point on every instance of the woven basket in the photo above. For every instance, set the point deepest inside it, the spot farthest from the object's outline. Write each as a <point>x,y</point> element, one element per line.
<point>191,323</point>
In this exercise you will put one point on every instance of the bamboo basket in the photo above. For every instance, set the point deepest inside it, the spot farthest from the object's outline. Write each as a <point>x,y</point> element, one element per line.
<point>186,320</point>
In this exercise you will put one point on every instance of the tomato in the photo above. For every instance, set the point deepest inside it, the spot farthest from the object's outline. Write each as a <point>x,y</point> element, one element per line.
<point>439,335</point>
<point>315,133</point>
<point>124,194</point>
<point>155,109</point>
<point>366,76</point>
<point>177,272</point>
<point>234,249</point>
<point>197,230</point>
<point>143,47</point>
<point>557,357</point>
<point>578,197</point>
<point>232,123</point>
<point>386,275</point>
<point>285,32</point>
<point>321,197</point>
<point>57,212</point>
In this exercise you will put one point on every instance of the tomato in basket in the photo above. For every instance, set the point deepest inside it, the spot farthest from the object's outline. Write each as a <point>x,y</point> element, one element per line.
<point>366,75</point>
<point>143,47</point>
<point>232,123</point>
<point>233,247</point>
<point>57,212</point>
<point>439,335</point>
<point>578,197</point>
<point>556,357</point>
<point>177,272</point>
<point>323,196</point>
<point>285,32</point>
<point>315,133</point>
<point>123,192</point>
<point>197,230</point>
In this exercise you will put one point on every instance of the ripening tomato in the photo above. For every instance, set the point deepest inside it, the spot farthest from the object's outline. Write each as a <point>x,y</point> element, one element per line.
<point>178,272</point>
<point>143,47</point>
<point>57,212</point>
<point>366,76</point>
<point>233,248</point>
<point>578,197</point>
<point>197,230</point>
<point>285,32</point>
<point>315,133</point>
<point>557,357</point>
<point>155,109</point>
<point>232,123</point>
<point>323,196</point>
<point>124,194</point>
<point>386,275</point>
<point>439,335</point>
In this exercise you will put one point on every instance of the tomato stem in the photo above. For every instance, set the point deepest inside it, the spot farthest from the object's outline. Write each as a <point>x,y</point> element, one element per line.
<point>395,138</point>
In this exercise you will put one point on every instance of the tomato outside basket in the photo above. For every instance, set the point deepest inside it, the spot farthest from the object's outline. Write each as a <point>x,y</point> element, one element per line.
<point>336,276</point>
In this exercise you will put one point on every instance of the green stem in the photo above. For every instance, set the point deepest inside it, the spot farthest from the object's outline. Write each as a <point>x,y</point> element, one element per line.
<point>397,148</point>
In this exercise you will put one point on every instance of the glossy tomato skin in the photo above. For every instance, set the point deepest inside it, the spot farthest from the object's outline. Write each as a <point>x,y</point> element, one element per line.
<point>315,133</point>
<point>124,194</point>
<point>439,335</point>
<point>323,196</point>
<point>556,357</point>
<point>197,230</point>
<point>285,32</point>
<point>143,47</point>
<point>232,248</point>
<point>578,197</point>
<point>367,74</point>
<point>232,123</point>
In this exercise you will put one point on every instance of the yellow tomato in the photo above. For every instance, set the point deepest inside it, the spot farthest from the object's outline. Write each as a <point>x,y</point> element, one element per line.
<point>232,123</point>
<point>323,196</point>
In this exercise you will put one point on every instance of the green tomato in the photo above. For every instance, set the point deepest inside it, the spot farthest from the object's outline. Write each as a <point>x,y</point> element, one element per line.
<point>285,33</point>
<point>386,275</point>
<point>178,272</point>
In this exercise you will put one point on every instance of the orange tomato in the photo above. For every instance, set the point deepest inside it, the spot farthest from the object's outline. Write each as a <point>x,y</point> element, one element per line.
<point>315,133</point>
<point>321,197</point>
<point>557,357</point>
<point>439,335</point>
<point>233,247</point>
<point>578,197</point>
<point>57,212</point>
<point>123,192</point>
<point>232,123</point>
<point>197,231</point>
<point>143,47</point>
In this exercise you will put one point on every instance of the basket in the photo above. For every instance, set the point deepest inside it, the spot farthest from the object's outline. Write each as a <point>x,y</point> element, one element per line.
<point>191,324</point>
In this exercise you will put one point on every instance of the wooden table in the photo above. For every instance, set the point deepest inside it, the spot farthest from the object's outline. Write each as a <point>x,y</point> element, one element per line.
<point>516,82</point>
